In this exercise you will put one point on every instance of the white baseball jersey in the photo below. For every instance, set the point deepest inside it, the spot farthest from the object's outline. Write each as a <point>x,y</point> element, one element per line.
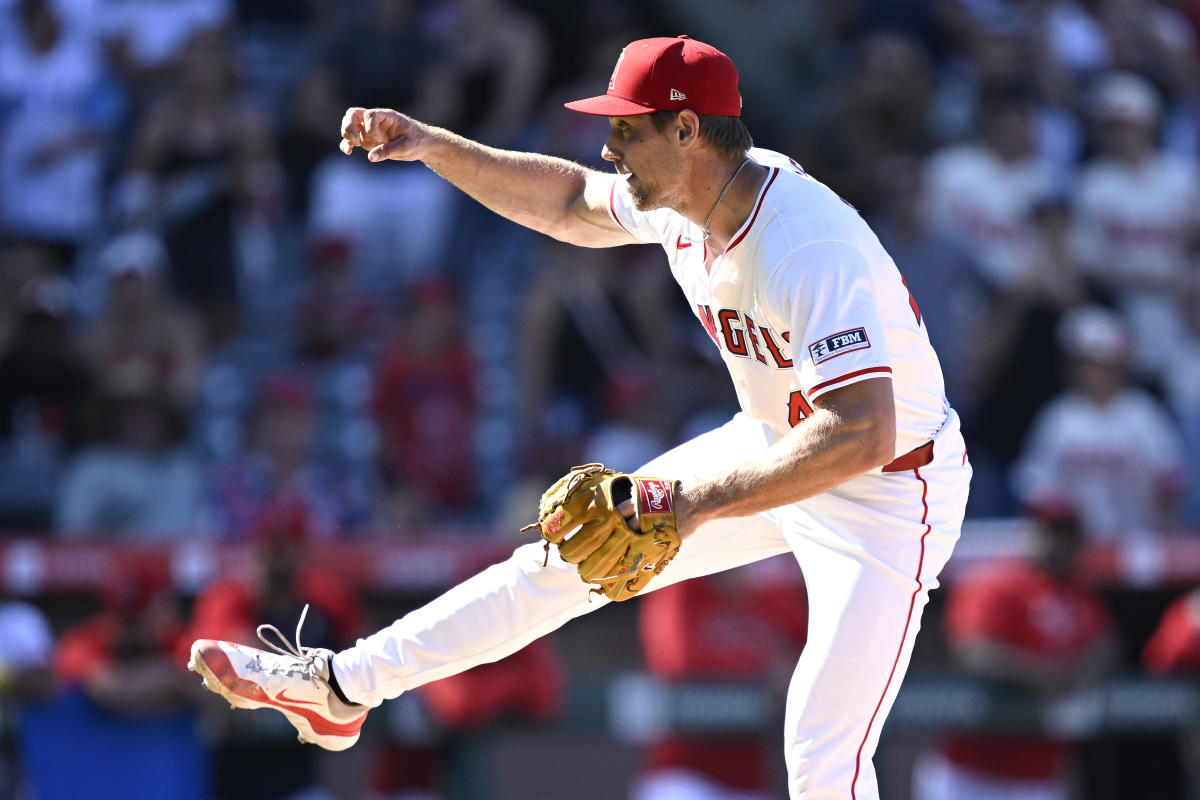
<point>804,300</point>
<point>1115,461</point>
<point>994,224</point>
<point>1136,220</point>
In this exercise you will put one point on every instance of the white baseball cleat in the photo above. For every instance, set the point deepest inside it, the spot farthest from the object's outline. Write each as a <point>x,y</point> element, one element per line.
<point>293,680</point>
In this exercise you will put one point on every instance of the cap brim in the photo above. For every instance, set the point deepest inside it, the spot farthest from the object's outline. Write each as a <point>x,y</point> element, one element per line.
<point>606,105</point>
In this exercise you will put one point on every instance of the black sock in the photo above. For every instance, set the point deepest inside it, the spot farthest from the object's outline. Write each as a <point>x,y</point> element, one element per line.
<point>337,690</point>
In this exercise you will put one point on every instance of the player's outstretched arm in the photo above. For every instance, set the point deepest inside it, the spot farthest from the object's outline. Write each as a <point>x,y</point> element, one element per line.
<point>550,195</point>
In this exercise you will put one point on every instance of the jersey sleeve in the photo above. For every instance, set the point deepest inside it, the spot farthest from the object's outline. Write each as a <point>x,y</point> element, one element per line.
<point>645,226</point>
<point>826,291</point>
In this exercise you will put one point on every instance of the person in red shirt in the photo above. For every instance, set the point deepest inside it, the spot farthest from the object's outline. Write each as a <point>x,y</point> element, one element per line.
<point>1174,647</point>
<point>256,760</point>
<point>744,626</point>
<point>124,658</point>
<point>424,403</point>
<point>1029,624</point>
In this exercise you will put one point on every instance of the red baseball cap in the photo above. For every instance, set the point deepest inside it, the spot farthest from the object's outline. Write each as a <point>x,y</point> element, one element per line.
<point>665,74</point>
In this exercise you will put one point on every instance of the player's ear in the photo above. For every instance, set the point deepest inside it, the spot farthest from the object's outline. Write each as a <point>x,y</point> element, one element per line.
<point>687,127</point>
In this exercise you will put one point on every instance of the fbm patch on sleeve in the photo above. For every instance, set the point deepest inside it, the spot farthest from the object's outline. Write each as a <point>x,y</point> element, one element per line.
<point>839,344</point>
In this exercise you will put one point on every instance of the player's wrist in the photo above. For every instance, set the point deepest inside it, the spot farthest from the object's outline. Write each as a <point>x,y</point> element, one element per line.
<point>690,510</point>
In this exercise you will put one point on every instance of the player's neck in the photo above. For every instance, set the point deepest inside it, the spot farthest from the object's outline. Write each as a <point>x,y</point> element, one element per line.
<point>734,207</point>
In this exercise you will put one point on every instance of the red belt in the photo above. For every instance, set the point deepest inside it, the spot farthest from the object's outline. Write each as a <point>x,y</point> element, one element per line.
<point>912,459</point>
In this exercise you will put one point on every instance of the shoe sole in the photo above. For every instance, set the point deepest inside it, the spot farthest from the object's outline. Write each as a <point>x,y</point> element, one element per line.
<point>218,676</point>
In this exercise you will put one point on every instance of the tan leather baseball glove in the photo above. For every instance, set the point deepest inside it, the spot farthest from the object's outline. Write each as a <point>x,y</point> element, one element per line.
<point>579,514</point>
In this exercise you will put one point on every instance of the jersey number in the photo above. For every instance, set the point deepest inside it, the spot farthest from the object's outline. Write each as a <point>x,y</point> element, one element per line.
<point>798,408</point>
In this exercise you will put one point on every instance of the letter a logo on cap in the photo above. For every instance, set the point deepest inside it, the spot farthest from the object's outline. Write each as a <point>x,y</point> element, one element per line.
<point>613,80</point>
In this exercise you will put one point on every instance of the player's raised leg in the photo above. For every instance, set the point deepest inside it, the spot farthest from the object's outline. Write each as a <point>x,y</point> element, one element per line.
<point>503,608</point>
<point>487,617</point>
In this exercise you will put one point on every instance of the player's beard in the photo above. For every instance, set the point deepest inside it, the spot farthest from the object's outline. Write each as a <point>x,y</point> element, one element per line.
<point>645,196</point>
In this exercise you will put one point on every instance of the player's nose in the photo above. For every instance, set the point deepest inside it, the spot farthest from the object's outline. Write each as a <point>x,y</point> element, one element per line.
<point>607,154</point>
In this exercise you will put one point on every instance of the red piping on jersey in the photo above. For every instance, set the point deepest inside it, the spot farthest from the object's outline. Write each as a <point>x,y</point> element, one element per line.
<point>612,208</point>
<point>912,604</point>
<point>757,208</point>
<point>848,376</point>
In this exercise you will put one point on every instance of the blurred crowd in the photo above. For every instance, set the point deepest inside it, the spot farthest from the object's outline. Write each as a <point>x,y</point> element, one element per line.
<point>204,303</point>
<point>213,324</point>
<point>207,309</point>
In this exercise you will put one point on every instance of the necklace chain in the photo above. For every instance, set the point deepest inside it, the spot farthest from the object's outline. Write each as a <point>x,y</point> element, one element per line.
<point>720,197</point>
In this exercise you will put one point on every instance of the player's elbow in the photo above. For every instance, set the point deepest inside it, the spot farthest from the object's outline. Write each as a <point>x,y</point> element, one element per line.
<point>878,439</point>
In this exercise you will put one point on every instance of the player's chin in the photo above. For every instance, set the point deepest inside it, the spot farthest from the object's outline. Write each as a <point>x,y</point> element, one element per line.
<point>642,197</point>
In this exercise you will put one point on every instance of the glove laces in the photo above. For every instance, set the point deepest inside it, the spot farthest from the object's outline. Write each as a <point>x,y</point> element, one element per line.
<point>307,656</point>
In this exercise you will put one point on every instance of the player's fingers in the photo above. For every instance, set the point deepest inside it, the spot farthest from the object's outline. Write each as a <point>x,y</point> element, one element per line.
<point>627,510</point>
<point>352,125</point>
<point>584,542</point>
<point>606,561</point>
<point>380,153</point>
<point>379,124</point>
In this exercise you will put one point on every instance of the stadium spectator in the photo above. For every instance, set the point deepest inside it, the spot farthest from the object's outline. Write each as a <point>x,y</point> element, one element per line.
<point>43,385</point>
<point>139,330</point>
<point>881,107</point>
<point>278,466</point>
<point>1032,625</point>
<point>743,626</point>
<point>1150,38</point>
<point>1138,212</point>
<point>424,403</point>
<point>1009,373</point>
<point>494,64</point>
<point>145,38</point>
<point>124,658</point>
<point>125,706</point>
<point>139,482</point>
<point>254,758</point>
<point>993,225</point>
<point>337,317</point>
<point>26,656</point>
<point>201,169</point>
<point>1104,445</point>
<point>58,111</point>
<point>398,240</point>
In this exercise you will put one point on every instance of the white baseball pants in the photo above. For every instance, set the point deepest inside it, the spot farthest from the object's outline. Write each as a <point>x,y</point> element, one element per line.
<point>870,551</point>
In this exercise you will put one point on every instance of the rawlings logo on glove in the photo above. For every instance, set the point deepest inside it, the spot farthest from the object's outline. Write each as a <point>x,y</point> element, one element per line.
<point>618,560</point>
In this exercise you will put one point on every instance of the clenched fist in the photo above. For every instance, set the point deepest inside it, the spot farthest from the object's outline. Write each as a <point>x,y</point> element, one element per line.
<point>383,133</point>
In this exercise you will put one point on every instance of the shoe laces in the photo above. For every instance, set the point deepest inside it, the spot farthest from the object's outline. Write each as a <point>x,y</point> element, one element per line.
<point>306,656</point>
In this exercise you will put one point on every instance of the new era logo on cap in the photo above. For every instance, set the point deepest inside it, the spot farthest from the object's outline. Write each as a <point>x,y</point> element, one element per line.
<point>839,344</point>
<point>677,95</point>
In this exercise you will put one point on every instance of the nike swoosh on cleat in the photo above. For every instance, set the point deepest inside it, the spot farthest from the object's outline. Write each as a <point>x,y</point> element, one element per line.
<point>283,698</point>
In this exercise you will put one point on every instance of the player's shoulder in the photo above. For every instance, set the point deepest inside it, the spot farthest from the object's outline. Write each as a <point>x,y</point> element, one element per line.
<point>796,209</point>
